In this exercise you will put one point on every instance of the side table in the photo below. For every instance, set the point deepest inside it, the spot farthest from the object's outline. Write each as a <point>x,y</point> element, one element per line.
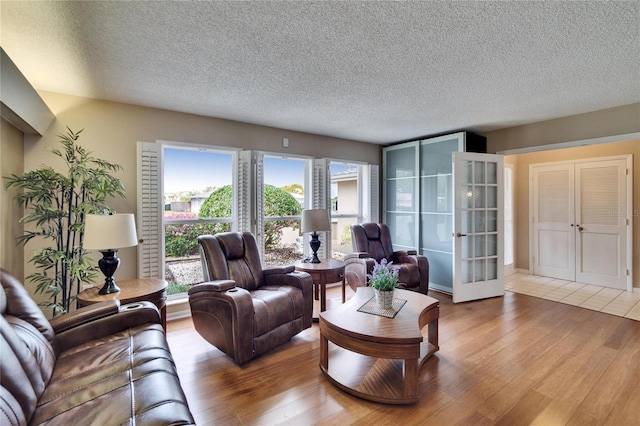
<point>323,273</point>
<point>136,290</point>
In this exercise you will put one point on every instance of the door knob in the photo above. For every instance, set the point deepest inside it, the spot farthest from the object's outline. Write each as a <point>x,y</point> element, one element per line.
<point>459,234</point>
<point>580,228</point>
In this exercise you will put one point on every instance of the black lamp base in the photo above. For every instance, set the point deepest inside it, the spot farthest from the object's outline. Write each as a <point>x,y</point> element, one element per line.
<point>108,265</point>
<point>315,245</point>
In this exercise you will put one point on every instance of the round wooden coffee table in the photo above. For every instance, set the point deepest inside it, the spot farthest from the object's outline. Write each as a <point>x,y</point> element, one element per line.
<point>375,357</point>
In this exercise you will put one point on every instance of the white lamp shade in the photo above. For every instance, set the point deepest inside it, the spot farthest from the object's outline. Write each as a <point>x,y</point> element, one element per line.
<point>109,232</point>
<point>314,220</point>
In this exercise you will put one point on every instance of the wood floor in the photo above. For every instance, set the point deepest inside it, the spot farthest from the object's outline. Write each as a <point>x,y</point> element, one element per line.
<point>514,360</point>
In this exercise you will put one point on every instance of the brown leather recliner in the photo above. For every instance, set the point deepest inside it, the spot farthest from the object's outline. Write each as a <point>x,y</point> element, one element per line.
<point>241,308</point>
<point>103,364</point>
<point>371,243</point>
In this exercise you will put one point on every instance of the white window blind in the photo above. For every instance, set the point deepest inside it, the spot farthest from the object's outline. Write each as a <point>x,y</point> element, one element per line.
<point>243,192</point>
<point>320,199</point>
<point>149,211</point>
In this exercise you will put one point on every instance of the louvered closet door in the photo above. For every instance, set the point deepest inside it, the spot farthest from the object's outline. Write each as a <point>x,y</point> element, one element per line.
<point>553,223</point>
<point>602,221</point>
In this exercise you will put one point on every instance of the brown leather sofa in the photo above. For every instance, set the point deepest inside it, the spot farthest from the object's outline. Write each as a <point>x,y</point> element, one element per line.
<point>371,243</point>
<point>105,364</point>
<point>241,308</point>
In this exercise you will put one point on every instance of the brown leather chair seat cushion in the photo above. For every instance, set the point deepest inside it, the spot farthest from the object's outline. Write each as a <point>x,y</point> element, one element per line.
<point>274,306</point>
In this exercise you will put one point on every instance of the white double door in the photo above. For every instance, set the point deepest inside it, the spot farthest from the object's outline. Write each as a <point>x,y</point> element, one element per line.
<point>580,221</point>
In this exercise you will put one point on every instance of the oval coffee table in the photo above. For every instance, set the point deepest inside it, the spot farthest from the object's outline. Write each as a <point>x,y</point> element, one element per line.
<point>376,357</point>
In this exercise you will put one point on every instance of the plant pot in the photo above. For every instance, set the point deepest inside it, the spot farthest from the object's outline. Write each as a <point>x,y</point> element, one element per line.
<point>384,299</point>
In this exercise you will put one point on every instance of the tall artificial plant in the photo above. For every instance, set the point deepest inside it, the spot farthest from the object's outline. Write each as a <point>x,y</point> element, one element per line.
<point>55,204</point>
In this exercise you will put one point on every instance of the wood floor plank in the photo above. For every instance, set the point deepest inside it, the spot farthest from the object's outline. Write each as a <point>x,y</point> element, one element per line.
<point>509,360</point>
<point>621,376</point>
<point>526,410</point>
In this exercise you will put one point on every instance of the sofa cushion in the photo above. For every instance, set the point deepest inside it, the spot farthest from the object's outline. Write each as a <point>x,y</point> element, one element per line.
<point>126,378</point>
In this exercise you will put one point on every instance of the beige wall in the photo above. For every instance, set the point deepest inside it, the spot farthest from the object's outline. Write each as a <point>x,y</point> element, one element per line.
<point>608,122</point>
<point>11,162</point>
<point>111,131</point>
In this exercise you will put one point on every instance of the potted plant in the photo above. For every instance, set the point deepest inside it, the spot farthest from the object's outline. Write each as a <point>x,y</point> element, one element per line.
<point>56,204</point>
<point>384,279</point>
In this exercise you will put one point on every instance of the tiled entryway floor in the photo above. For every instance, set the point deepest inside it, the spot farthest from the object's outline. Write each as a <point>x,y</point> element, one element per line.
<point>602,299</point>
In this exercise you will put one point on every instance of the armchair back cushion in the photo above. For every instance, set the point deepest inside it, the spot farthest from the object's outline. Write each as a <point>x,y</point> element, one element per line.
<point>232,256</point>
<point>372,238</point>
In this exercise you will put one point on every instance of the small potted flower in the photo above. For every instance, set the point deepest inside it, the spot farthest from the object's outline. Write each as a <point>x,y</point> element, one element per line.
<point>384,279</point>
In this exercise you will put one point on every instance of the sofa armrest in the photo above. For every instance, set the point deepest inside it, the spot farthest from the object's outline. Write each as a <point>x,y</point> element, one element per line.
<point>357,255</point>
<point>357,267</point>
<point>83,315</point>
<point>224,318</point>
<point>84,328</point>
<point>217,286</point>
<point>397,254</point>
<point>278,270</point>
<point>298,279</point>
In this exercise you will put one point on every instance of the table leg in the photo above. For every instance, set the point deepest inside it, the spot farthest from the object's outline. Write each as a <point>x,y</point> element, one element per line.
<point>433,332</point>
<point>411,377</point>
<point>323,296</point>
<point>324,353</point>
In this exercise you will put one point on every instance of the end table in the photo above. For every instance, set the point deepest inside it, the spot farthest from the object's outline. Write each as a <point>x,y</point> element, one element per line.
<point>323,273</point>
<point>136,290</point>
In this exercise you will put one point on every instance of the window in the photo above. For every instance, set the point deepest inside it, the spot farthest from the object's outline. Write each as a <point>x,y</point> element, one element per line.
<point>351,202</point>
<point>198,200</point>
<point>176,180</point>
<point>283,191</point>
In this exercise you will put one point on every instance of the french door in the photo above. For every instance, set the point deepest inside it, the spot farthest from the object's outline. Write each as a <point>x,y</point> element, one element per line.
<point>580,224</point>
<point>478,226</point>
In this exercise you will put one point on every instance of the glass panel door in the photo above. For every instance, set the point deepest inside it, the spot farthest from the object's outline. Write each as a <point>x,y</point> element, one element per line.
<point>436,207</point>
<point>401,195</point>
<point>478,226</point>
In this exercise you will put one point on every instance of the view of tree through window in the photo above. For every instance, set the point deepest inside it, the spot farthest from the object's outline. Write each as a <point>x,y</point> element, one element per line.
<point>283,203</point>
<point>191,179</point>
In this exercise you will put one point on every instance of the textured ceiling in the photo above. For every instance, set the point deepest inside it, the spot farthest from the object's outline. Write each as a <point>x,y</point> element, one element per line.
<point>370,71</point>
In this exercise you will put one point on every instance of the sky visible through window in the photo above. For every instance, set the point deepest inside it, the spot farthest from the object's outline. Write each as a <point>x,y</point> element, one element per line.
<point>193,170</point>
<point>190,170</point>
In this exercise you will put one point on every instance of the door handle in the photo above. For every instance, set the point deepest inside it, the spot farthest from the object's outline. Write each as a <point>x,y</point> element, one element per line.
<point>459,234</point>
<point>580,228</point>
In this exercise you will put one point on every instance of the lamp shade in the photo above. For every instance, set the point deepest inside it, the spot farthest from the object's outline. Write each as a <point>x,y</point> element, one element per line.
<point>109,232</point>
<point>314,220</point>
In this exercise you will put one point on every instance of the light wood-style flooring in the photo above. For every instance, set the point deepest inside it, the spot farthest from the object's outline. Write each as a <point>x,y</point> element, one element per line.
<point>513,360</point>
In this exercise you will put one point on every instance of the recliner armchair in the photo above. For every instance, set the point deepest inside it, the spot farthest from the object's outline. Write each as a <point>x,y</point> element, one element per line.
<point>371,243</point>
<point>241,308</point>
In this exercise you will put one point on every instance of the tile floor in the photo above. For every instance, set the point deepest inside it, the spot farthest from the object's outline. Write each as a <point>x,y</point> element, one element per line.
<point>603,299</point>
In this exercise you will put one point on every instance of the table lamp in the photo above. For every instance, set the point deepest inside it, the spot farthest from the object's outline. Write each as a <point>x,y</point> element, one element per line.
<point>315,220</point>
<point>107,234</point>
